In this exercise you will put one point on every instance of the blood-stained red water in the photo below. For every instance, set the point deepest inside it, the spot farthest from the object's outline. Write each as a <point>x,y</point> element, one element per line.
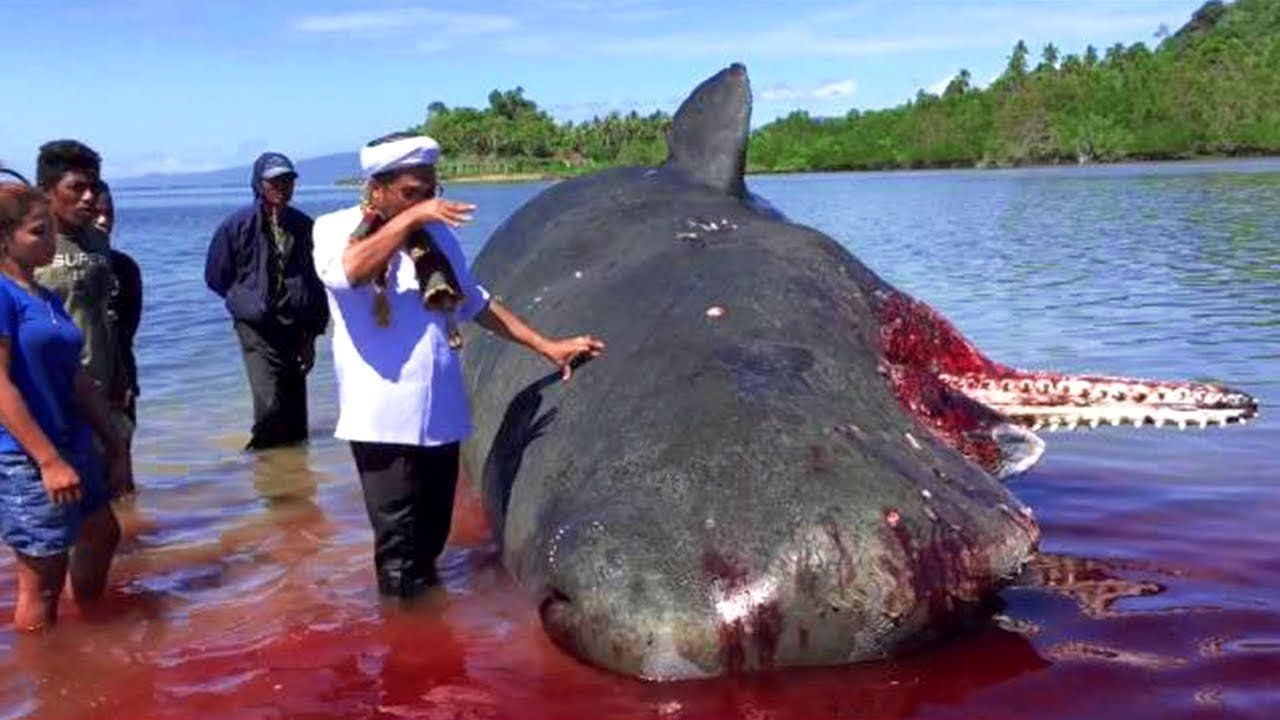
<point>274,616</point>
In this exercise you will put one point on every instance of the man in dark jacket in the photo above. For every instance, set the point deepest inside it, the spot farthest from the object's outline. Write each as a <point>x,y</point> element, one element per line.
<point>260,262</point>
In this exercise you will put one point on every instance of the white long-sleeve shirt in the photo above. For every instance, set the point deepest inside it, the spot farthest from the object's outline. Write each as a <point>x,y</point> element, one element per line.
<point>402,383</point>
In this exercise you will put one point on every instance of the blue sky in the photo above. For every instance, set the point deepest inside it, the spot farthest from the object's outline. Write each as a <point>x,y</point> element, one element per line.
<point>172,85</point>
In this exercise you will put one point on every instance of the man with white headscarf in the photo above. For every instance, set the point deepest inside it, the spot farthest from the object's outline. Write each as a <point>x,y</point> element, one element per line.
<point>398,284</point>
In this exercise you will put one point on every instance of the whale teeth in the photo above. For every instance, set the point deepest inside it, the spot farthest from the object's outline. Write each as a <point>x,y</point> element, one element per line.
<point>1095,422</point>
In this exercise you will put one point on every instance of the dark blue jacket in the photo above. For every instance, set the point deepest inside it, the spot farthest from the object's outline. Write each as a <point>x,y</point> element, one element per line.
<point>236,268</point>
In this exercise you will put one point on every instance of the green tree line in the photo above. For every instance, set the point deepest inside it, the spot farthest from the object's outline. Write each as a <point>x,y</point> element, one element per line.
<point>1211,88</point>
<point>514,136</point>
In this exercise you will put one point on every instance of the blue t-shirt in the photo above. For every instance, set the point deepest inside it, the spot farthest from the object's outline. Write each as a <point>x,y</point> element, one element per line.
<point>44,356</point>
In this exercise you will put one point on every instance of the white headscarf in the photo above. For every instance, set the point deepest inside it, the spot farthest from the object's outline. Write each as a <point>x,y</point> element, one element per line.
<point>399,154</point>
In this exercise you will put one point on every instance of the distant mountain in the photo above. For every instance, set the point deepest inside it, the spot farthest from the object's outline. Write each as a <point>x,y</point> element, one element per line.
<point>323,170</point>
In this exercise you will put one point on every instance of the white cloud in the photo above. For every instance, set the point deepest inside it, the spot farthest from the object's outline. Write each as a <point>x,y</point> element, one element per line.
<point>428,47</point>
<point>623,11</point>
<point>393,21</point>
<point>784,92</point>
<point>780,91</point>
<point>939,87</point>
<point>825,33</point>
<point>150,163</point>
<point>529,45</point>
<point>640,15</point>
<point>787,42</point>
<point>835,90</point>
<point>1036,18</point>
<point>610,28</point>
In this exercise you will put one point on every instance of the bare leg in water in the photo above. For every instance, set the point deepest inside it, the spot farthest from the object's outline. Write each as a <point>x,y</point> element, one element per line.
<point>92,554</point>
<point>40,581</point>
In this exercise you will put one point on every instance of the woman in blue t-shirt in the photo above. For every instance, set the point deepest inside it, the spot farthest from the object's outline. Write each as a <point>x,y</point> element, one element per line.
<point>54,509</point>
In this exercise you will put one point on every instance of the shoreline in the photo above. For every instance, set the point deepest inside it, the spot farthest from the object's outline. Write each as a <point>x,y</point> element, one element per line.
<point>504,177</point>
<point>980,165</point>
<point>1193,160</point>
<point>527,177</point>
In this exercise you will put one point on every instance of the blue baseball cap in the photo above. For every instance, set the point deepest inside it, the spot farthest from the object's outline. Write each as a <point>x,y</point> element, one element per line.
<point>274,165</point>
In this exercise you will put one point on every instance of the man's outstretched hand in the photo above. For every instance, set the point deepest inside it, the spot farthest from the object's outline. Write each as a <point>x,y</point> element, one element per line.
<point>563,351</point>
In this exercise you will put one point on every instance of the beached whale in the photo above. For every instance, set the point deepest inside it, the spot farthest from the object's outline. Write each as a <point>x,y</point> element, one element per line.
<point>781,460</point>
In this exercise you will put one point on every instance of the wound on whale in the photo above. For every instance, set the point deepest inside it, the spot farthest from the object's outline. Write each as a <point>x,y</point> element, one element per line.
<point>782,460</point>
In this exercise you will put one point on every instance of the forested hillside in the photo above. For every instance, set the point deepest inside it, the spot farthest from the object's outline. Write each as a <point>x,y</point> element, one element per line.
<point>1210,88</point>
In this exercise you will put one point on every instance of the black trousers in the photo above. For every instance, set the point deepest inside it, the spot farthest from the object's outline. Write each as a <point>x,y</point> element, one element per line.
<point>408,491</point>
<point>277,381</point>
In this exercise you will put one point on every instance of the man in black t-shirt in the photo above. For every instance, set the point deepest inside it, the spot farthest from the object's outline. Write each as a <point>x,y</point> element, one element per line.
<point>125,306</point>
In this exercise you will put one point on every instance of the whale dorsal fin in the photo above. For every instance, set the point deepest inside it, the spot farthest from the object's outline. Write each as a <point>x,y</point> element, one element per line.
<point>708,138</point>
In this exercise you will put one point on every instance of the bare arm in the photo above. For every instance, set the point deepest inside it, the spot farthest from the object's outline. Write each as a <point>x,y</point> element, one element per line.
<point>17,419</point>
<point>59,479</point>
<point>498,319</point>
<point>363,260</point>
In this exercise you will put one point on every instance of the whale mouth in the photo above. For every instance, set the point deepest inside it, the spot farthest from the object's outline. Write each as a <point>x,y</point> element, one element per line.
<point>970,401</point>
<point>1044,400</point>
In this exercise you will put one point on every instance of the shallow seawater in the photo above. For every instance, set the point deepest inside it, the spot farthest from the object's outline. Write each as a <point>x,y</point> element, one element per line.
<point>244,587</point>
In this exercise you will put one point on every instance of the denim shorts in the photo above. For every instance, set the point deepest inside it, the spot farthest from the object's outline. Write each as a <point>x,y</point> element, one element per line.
<point>30,522</point>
